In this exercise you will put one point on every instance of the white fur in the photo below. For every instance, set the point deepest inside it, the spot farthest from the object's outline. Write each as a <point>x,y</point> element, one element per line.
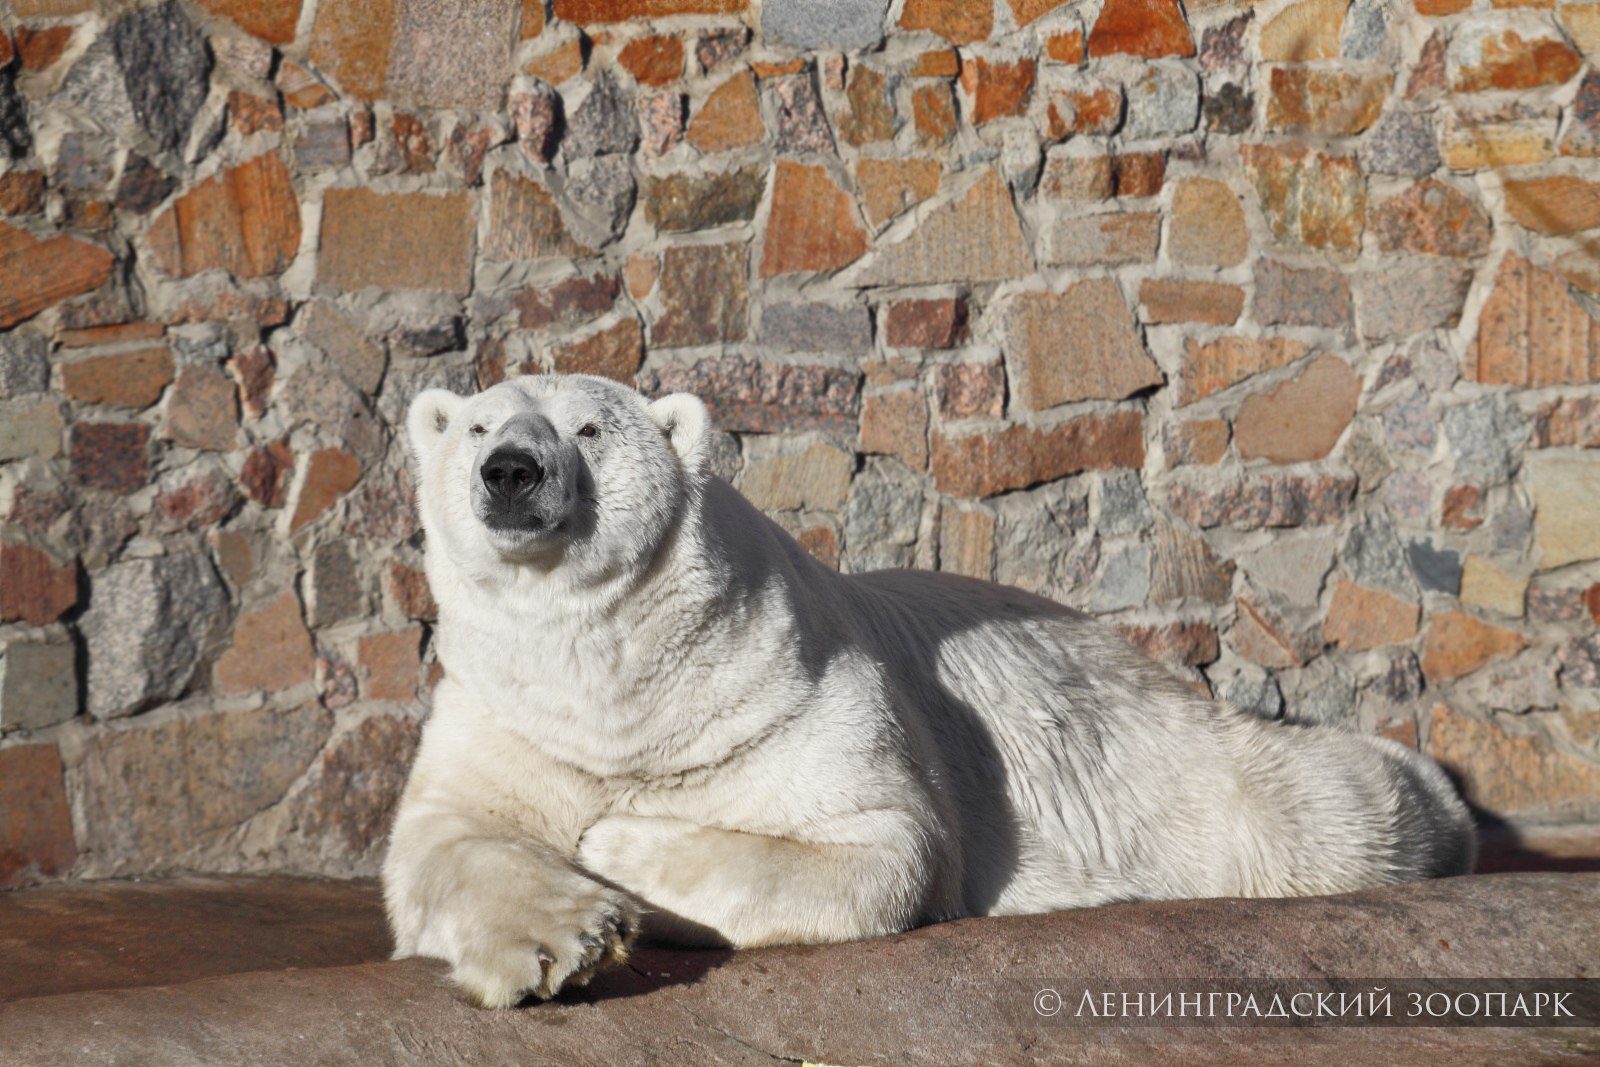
<point>680,703</point>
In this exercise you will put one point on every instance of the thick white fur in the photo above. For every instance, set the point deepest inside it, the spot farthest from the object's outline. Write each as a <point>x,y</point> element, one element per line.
<point>681,709</point>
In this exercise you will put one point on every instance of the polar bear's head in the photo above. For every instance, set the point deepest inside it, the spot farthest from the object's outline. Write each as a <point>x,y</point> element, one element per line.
<point>553,471</point>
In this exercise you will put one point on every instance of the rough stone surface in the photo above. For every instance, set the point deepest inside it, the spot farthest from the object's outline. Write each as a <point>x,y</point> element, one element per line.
<point>1303,418</point>
<point>1078,345</point>
<point>149,621</point>
<point>395,240</point>
<point>38,686</point>
<point>36,839</point>
<point>705,293</point>
<point>848,25</point>
<point>1566,517</point>
<point>165,64</point>
<point>976,237</point>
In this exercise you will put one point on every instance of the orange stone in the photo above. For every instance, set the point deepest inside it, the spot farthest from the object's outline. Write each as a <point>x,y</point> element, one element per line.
<point>1148,28</point>
<point>984,464</point>
<point>933,113</point>
<point>1308,30</point>
<point>871,118</point>
<point>1066,47</point>
<point>1097,109</point>
<point>350,40</point>
<point>1556,206</point>
<point>533,20</point>
<point>398,240</point>
<point>730,117</point>
<point>1198,442</point>
<point>271,650</point>
<point>998,90</point>
<point>1208,226</point>
<point>40,48</point>
<point>1030,11</point>
<point>1361,618</point>
<point>1318,200</point>
<point>1441,8</point>
<point>606,11</point>
<point>1104,360</point>
<point>129,379</point>
<point>939,63</point>
<point>1329,102</point>
<point>1458,644</point>
<point>957,21</point>
<point>1168,300</point>
<point>1507,60</point>
<point>562,63</point>
<point>271,20</point>
<point>813,224</point>
<point>245,221</point>
<point>890,186</point>
<point>1211,366</point>
<point>614,352</point>
<point>1302,419</point>
<point>330,474</point>
<point>896,424</point>
<point>1511,775</point>
<point>392,663</point>
<point>653,60</point>
<point>37,274</point>
<point>1533,332</point>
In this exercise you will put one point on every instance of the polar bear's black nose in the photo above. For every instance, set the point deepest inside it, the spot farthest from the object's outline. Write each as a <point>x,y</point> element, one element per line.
<point>510,472</point>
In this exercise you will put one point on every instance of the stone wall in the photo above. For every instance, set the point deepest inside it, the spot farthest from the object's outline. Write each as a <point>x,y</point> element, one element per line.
<point>1265,332</point>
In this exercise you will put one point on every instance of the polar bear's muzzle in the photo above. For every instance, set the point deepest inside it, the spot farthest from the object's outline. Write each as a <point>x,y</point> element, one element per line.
<point>524,479</point>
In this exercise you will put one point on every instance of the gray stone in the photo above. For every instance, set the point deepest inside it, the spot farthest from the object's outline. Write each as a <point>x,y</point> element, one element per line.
<point>1124,580</point>
<point>1402,143</point>
<point>1408,425</point>
<point>808,25</point>
<point>602,192</point>
<point>1294,296</point>
<point>83,162</point>
<point>1292,569</point>
<point>38,683</point>
<point>1229,108</point>
<point>166,69</point>
<point>1031,530</point>
<point>95,87</point>
<point>1580,662</point>
<point>536,116</point>
<point>1366,30</point>
<point>1401,681</point>
<point>1367,456</point>
<point>1527,683</point>
<point>358,359</point>
<point>1021,160</point>
<point>449,54</point>
<point>30,428</point>
<point>1409,496</point>
<point>1255,691</point>
<point>1122,507</point>
<point>603,122</point>
<point>1438,569</point>
<point>1405,298</point>
<point>24,366</point>
<point>1162,102</point>
<point>149,623</point>
<point>882,517</point>
<point>816,328</point>
<point>1487,435</point>
<point>323,144</point>
<point>336,588</point>
<point>1433,363</point>
<point>1510,530</point>
<point>1373,557</point>
<point>801,125</point>
<point>1328,699</point>
<point>15,136</point>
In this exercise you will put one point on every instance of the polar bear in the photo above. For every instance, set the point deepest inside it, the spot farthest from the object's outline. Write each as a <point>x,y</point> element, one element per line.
<point>657,705</point>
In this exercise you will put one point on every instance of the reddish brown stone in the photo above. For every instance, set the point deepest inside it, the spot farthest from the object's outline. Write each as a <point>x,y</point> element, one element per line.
<point>1264,637</point>
<point>562,63</point>
<point>21,192</point>
<point>330,473</point>
<point>1105,359</point>
<point>1191,644</point>
<point>730,118</point>
<point>1209,367</point>
<point>363,773</point>
<point>410,240</point>
<point>1147,28</point>
<point>36,839</point>
<point>1325,102</point>
<point>245,221</point>
<point>129,379</point>
<point>1207,226</point>
<point>197,504</point>
<point>1027,12</point>
<point>1441,8</point>
<point>813,224</point>
<point>34,588</point>
<point>957,21</point>
<point>1199,442</point>
<point>393,664</point>
<point>896,424</point>
<point>933,113</point>
<point>656,60</point>
<point>271,20</point>
<point>940,323</point>
<point>408,589</point>
<point>350,39</point>
<point>1571,422</point>
<point>1068,47</point>
<point>267,472</point>
<point>1138,173</point>
<point>705,295</point>
<point>1361,618</point>
<point>113,456</point>
<point>871,118</point>
<point>1094,109</point>
<point>1557,205</point>
<point>1458,644</point>
<point>998,90</point>
<point>113,334</point>
<point>1460,502</point>
<point>1434,219</point>
<point>253,371</point>
<point>586,12</point>
<point>614,352</point>
<point>36,274</point>
<point>1306,196</point>
<point>41,47</point>
<point>203,411</point>
<point>937,63</point>
<point>1265,502</point>
<point>271,650</point>
<point>1167,300</point>
<point>983,464</point>
<point>1507,60</point>
<point>890,186</point>
<point>966,390</point>
<point>574,300</point>
<point>1302,419</point>
<point>1533,332</point>
<point>745,396</point>
<point>409,146</point>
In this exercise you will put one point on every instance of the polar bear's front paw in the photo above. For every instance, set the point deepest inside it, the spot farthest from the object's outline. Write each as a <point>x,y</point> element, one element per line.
<point>545,948</point>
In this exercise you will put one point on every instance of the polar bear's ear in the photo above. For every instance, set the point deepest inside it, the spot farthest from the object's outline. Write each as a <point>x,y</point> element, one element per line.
<point>685,421</point>
<point>429,417</point>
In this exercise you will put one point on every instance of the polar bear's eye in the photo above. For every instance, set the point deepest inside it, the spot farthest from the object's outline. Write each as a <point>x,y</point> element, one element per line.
<point>477,430</point>
<point>589,430</point>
